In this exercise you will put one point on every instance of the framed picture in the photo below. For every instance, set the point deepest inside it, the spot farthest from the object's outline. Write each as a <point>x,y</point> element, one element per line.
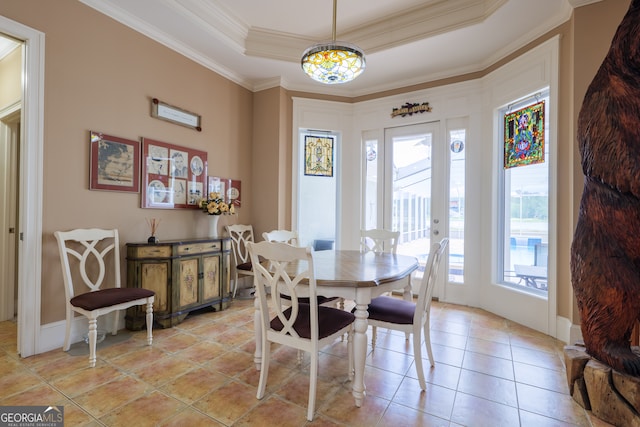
<point>318,155</point>
<point>524,136</point>
<point>234,193</point>
<point>228,188</point>
<point>114,163</point>
<point>179,116</point>
<point>173,177</point>
<point>219,185</point>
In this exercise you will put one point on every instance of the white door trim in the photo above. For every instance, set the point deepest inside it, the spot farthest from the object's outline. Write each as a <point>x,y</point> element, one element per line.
<point>30,198</point>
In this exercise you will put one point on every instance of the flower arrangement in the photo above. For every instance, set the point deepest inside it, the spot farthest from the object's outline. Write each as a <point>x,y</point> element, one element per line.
<point>215,205</point>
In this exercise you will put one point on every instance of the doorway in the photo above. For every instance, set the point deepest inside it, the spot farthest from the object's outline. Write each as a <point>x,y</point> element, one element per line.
<point>9,144</point>
<point>405,188</point>
<point>30,182</point>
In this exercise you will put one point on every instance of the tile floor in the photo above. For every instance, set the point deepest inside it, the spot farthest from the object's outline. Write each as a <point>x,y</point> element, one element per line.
<point>489,372</point>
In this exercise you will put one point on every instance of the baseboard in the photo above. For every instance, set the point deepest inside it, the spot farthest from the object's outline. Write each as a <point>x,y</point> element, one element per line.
<point>567,331</point>
<point>52,334</point>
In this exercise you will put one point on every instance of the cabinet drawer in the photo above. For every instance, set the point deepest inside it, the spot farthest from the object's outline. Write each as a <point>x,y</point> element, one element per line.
<point>199,248</point>
<point>151,251</point>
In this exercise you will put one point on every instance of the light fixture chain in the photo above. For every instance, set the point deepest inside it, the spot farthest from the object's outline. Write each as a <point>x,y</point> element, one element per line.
<point>335,10</point>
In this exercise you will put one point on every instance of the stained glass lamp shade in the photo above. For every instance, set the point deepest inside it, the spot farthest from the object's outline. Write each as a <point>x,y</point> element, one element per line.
<point>333,62</point>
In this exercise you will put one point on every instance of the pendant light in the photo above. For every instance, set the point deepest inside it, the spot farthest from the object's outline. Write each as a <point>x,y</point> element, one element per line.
<point>333,62</point>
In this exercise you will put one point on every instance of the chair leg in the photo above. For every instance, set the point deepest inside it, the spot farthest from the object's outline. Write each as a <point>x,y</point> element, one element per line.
<point>374,331</point>
<point>264,368</point>
<point>350,353</point>
<point>67,334</point>
<point>427,341</point>
<point>313,383</point>
<point>235,286</point>
<point>417,353</point>
<point>149,322</point>
<point>93,337</point>
<point>116,319</point>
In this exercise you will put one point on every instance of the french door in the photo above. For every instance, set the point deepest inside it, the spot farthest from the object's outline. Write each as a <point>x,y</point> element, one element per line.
<point>405,188</point>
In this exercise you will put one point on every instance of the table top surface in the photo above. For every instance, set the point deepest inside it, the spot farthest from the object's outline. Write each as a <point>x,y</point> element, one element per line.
<point>357,269</point>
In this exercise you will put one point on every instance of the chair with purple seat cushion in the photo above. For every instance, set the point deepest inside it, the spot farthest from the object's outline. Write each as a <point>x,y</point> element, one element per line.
<point>306,327</point>
<point>407,316</point>
<point>240,235</point>
<point>91,257</point>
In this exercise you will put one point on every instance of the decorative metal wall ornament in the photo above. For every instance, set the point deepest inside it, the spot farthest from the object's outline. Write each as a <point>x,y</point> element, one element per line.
<point>410,109</point>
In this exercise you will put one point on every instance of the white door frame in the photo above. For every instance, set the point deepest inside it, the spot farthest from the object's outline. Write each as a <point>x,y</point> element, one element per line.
<point>30,179</point>
<point>9,122</point>
<point>437,220</point>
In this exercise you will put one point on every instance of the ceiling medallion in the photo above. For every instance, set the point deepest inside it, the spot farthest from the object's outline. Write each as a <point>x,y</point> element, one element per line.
<point>333,62</point>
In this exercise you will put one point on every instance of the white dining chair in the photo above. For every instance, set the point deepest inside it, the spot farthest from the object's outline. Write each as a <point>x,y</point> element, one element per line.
<point>240,235</point>
<point>291,237</point>
<point>379,240</point>
<point>407,316</point>
<point>286,236</point>
<point>306,327</point>
<point>92,258</point>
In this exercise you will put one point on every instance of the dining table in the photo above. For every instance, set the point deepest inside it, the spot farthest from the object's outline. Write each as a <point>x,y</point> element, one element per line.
<point>360,277</point>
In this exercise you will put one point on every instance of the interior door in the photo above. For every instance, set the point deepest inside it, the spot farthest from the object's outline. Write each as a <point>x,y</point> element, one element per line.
<point>409,182</point>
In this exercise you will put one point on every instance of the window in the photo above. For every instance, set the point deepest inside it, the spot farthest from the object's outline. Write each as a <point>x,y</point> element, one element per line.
<point>318,189</point>
<point>525,200</point>
<point>457,144</point>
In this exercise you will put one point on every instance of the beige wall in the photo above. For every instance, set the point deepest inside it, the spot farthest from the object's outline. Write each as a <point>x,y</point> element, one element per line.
<point>10,72</point>
<point>101,75</point>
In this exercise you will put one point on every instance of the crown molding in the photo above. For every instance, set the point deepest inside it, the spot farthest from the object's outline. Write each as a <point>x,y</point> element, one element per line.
<point>402,28</point>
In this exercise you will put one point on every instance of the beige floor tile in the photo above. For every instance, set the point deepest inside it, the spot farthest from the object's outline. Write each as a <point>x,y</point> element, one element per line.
<point>435,400</point>
<point>86,379</point>
<point>489,365</point>
<point>341,408</point>
<point>276,412</point>
<point>194,384</point>
<point>18,381</point>
<point>488,372</point>
<point>397,415</point>
<point>101,400</point>
<point>149,410</point>
<point>202,352</point>
<point>490,348</point>
<point>488,387</point>
<point>474,411</point>
<point>191,418</point>
<point>228,403</point>
<point>163,370</point>
<point>550,404</point>
<point>176,342</point>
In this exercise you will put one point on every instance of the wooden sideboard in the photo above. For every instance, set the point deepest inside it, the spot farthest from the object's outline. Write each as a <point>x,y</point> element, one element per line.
<point>186,275</point>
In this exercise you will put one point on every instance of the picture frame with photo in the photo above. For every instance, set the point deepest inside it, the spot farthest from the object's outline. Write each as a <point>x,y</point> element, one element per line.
<point>173,176</point>
<point>114,163</point>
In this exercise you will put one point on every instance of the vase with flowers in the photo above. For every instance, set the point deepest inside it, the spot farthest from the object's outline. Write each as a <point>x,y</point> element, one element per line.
<point>214,206</point>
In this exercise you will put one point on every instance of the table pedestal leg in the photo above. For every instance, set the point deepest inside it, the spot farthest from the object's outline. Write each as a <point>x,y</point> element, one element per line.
<point>257,327</point>
<point>360,351</point>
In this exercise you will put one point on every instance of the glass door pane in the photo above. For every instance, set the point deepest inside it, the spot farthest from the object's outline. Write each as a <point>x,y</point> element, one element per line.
<point>413,199</point>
